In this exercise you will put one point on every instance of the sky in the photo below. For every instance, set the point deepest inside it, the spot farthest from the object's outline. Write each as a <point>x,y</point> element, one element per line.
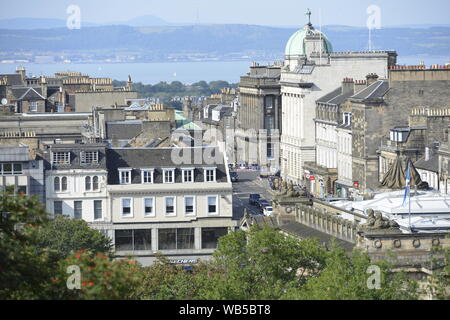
<point>262,12</point>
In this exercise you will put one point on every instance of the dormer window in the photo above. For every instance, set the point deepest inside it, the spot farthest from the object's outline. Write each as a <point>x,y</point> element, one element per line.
<point>169,175</point>
<point>210,174</point>
<point>89,157</point>
<point>147,175</point>
<point>125,176</point>
<point>61,157</point>
<point>188,175</point>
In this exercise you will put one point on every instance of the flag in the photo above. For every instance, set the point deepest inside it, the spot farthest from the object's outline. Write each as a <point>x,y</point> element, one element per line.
<point>407,187</point>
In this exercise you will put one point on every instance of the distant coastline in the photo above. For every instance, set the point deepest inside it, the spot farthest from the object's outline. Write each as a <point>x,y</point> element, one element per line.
<point>186,72</point>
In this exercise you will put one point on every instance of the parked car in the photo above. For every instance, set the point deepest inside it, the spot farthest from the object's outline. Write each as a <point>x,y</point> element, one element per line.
<point>261,203</point>
<point>234,176</point>
<point>267,211</point>
<point>253,198</point>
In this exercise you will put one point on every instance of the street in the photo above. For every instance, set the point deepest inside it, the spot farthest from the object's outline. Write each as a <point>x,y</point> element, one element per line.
<point>248,182</point>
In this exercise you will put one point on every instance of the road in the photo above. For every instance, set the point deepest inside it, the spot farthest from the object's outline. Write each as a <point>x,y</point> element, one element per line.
<point>248,183</point>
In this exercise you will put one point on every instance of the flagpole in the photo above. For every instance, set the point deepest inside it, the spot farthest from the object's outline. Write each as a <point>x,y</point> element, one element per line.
<point>409,206</point>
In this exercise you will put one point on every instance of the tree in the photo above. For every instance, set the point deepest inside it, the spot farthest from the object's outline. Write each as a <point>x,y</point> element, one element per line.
<point>25,271</point>
<point>346,277</point>
<point>65,235</point>
<point>261,264</point>
<point>166,281</point>
<point>100,277</point>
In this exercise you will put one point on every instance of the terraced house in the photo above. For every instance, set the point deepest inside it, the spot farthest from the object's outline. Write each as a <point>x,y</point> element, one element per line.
<point>159,203</point>
<point>75,183</point>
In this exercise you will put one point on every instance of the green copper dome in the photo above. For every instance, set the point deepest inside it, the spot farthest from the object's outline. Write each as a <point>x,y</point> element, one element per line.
<point>296,44</point>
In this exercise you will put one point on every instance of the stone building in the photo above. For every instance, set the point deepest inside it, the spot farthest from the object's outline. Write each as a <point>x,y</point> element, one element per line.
<point>21,169</point>
<point>64,92</point>
<point>443,154</point>
<point>42,128</point>
<point>219,123</point>
<point>387,104</point>
<point>260,112</point>
<point>311,69</point>
<point>321,175</point>
<point>160,204</point>
<point>76,183</point>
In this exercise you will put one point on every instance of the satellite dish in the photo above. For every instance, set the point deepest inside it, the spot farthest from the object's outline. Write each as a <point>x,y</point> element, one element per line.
<point>4,101</point>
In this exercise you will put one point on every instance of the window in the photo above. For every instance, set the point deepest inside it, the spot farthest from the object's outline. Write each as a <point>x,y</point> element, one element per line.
<point>210,175</point>
<point>7,168</point>
<point>142,239</point>
<point>188,175</point>
<point>61,157</point>
<point>10,168</point>
<point>87,183</point>
<point>57,207</point>
<point>127,207</point>
<point>210,237</point>
<point>89,157</point>
<point>125,176</point>
<point>169,175</point>
<point>64,184</point>
<point>95,183</point>
<point>33,106</point>
<point>98,209</point>
<point>189,205</point>
<point>149,204</point>
<point>170,239</point>
<point>17,168</point>
<point>212,205</point>
<point>124,240</point>
<point>77,209</point>
<point>170,206</point>
<point>56,184</point>
<point>147,176</point>
<point>270,150</point>
<point>185,238</point>
<point>167,239</point>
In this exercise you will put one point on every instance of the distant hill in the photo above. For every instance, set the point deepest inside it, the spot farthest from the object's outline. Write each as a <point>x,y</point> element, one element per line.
<point>36,23</point>
<point>163,40</point>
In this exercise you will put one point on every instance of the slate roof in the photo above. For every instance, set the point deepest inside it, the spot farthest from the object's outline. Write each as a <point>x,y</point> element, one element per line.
<point>123,129</point>
<point>335,97</point>
<point>75,156</point>
<point>432,164</point>
<point>159,158</point>
<point>375,91</point>
<point>27,93</point>
<point>13,79</point>
<point>329,96</point>
<point>303,232</point>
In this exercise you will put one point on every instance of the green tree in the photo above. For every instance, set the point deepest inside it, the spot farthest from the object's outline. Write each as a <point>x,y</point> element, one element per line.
<point>261,264</point>
<point>25,271</point>
<point>166,281</point>
<point>345,277</point>
<point>64,236</point>
<point>101,277</point>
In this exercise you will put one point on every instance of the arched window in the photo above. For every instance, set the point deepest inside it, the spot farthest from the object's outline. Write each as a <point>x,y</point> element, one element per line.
<point>56,184</point>
<point>95,183</point>
<point>87,183</point>
<point>64,184</point>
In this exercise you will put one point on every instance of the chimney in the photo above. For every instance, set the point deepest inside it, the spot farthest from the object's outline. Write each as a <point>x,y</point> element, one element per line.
<point>371,78</point>
<point>348,86</point>
<point>21,70</point>
<point>427,153</point>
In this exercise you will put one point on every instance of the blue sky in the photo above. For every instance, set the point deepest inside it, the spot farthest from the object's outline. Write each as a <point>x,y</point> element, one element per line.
<point>263,12</point>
